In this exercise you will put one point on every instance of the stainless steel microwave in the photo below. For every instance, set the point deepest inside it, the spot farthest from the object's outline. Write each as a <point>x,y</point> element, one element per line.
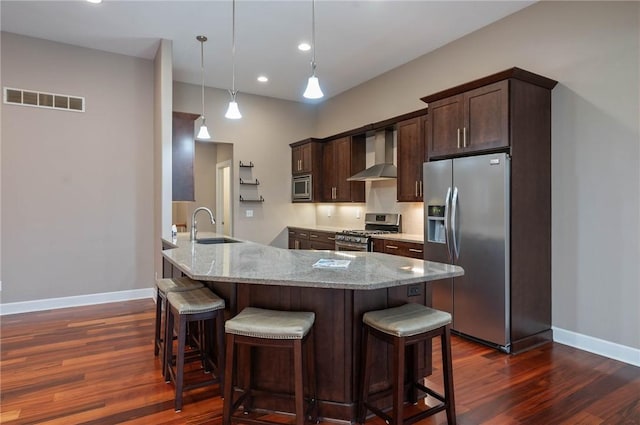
<point>302,189</point>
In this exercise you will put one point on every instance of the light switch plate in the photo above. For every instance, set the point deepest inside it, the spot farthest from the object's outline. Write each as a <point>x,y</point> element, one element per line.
<point>249,213</point>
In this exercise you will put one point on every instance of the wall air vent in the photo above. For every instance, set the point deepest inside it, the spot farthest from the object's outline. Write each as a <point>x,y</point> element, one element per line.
<point>43,100</point>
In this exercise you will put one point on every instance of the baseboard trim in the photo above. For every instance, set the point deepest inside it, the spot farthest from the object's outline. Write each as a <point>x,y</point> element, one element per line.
<point>75,301</point>
<point>598,346</point>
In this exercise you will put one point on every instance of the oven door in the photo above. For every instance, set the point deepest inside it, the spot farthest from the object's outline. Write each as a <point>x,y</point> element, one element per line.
<point>351,246</point>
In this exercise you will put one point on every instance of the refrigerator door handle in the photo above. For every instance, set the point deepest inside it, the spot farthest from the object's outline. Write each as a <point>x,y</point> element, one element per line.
<point>446,223</point>
<point>454,205</point>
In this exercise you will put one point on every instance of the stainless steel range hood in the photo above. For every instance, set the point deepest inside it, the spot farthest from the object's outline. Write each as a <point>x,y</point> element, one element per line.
<point>384,168</point>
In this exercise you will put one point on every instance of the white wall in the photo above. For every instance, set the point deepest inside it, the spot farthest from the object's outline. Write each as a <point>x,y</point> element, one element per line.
<point>261,136</point>
<point>592,49</point>
<point>77,188</point>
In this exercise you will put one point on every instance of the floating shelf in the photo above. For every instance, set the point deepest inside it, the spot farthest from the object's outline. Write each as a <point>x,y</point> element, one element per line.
<point>261,199</point>
<point>251,183</point>
<point>249,165</point>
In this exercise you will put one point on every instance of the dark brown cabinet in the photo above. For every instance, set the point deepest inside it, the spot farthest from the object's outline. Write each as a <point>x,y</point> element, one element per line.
<point>411,156</point>
<point>322,240</point>
<point>341,159</point>
<point>306,156</point>
<point>298,238</point>
<point>183,151</point>
<point>397,247</point>
<point>473,121</point>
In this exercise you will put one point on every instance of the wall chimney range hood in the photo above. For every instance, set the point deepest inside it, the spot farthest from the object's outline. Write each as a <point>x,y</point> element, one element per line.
<point>384,168</point>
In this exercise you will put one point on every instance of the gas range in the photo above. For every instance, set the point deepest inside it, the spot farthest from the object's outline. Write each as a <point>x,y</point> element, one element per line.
<point>375,224</point>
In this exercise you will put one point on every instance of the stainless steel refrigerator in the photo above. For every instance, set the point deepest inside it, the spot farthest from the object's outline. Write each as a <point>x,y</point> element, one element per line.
<point>467,223</point>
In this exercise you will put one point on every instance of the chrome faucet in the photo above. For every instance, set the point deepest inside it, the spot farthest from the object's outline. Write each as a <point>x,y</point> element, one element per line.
<point>194,230</point>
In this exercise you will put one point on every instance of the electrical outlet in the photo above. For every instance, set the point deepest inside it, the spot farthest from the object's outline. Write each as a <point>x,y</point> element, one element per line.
<point>357,212</point>
<point>414,290</point>
<point>249,213</point>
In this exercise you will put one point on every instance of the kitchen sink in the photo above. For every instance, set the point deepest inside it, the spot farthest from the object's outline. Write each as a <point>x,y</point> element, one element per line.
<point>209,241</point>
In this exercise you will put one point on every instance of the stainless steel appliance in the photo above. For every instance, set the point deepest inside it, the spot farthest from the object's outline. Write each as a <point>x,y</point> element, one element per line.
<point>467,223</point>
<point>302,189</point>
<point>374,224</point>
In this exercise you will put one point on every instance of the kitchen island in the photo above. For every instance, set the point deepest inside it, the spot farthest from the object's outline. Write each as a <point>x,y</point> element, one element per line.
<point>250,274</point>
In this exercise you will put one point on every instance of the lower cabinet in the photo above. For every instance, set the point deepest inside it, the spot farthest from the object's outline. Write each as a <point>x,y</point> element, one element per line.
<point>298,238</point>
<point>311,239</point>
<point>401,248</point>
<point>322,240</point>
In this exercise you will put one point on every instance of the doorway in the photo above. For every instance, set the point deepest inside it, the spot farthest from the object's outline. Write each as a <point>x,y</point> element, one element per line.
<point>224,222</point>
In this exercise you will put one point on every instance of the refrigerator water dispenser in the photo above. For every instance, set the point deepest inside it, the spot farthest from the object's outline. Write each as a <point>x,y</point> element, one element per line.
<point>435,224</point>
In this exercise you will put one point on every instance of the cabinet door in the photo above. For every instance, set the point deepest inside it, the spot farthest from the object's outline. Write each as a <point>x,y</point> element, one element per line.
<point>296,160</point>
<point>183,151</point>
<point>444,122</point>
<point>328,172</point>
<point>342,169</point>
<point>486,116</point>
<point>410,159</point>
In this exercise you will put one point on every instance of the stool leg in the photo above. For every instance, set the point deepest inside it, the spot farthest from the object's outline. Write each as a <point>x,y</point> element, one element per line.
<point>220,347</point>
<point>398,381</point>
<point>156,347</point>
<point>168,346</point>
<point>412,372</point>
<point>228,383</point>
<point>365,374</point>
<point>182,336</point>
<point>167,333</point>
<point>447,370</point>
<point>297,378</point>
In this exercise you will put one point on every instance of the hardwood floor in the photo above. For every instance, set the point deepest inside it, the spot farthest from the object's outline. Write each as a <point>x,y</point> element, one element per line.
<point>95,365</point>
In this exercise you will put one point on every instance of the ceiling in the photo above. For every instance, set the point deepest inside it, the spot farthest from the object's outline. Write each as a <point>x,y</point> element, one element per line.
<point>355,40</point>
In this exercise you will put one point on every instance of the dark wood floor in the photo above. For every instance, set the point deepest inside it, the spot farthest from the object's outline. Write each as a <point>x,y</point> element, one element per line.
<point>95,365</point>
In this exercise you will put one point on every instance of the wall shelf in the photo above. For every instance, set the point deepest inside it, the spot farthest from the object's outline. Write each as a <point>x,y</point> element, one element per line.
<point>250,183</point>
<point>249,165</point>
<point>261,199</point>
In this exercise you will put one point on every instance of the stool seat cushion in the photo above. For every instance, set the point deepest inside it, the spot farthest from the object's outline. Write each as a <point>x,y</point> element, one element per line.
<point>177,284</point>
<point>200,300</point>
<point>406,320</point>
<point>270,324</point>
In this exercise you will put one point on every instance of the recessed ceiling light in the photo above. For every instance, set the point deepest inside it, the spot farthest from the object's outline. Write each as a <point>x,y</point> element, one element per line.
<point>95,1</point>
<point>304,47</point>
<point>263,79</point>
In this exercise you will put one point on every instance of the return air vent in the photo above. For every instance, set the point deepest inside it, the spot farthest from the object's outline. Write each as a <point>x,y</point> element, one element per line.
<point>43,100</point>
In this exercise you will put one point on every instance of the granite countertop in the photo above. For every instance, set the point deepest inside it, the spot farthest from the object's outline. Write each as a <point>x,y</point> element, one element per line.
<point>249,262</point>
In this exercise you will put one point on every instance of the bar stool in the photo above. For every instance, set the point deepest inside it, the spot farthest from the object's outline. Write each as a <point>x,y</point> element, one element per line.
<point>256,327</point>
<point>199,305</point>
<point>163,287</point>
<point>404,326</point>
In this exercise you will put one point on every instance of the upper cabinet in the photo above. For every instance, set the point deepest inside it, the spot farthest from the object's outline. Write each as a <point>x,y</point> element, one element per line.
<point>480,116</point>
<point>341,159</point>
<point>474,121</point>
<point>306,156</point>
<point>183,151</point>
<point>411,155</point>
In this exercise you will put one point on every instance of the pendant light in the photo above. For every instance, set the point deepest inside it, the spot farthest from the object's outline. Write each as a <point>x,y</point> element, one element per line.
<point>203,134</point>
<point>233,112</point>
<point>313,90</point>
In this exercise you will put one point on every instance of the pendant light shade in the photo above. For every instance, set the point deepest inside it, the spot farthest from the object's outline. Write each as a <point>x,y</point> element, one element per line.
<point>203,134</point>
<point>233,112</point>
<point>313,90</point>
